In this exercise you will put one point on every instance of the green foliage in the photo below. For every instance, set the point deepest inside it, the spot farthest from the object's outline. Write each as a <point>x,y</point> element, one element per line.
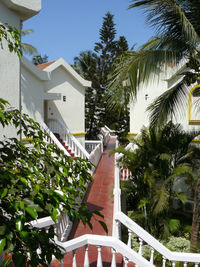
<point>12,36</point>
<point>38,59</point>
<point>36,181</point>
<point>96,66</point>
<point>178,244</point>
<point>28,48</point>
<point>159,158</point>
<point>177,36</point>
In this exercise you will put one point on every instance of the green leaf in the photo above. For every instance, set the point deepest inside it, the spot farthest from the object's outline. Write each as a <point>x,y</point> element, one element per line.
<point>32,211</point>
<point>4,192</point>
<point>6,262</point>
<point>182,197</point>
<point>21,204</point>
<point>54,215</point>
<point>174,225</point>
<point>2,244</point>
<point>24,181</point>
<point>2,229</point>
<point>98,213</point>
<point>104,226</point>
<point>19,225</point>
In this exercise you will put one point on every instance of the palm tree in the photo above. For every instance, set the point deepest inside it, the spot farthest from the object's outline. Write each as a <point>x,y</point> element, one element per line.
<point>177,25</point>
<point>160,157</point>
<point>28,48</point>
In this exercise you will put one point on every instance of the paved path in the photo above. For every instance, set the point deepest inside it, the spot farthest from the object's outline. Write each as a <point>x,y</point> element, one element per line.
<point>99,197</point>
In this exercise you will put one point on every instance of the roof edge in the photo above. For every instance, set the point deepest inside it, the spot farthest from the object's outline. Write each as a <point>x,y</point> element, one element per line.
<point>62,62</point>
<point>26,9</point>
<point>40,74</point>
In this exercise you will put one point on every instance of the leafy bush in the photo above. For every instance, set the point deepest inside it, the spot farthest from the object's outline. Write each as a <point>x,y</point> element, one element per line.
<point>36,180</point>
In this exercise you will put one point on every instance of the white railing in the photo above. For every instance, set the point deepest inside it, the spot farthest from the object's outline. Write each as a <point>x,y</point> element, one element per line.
<point>70,141</point>
<point>106,135</point>
<point>52,139</point>
<point>62,227</point>
<point>112,132</point>
<point>96,153</point>
<point>125,174</point>
<point>101,241</point>
<point>143,236</point>
<point>90,145</point>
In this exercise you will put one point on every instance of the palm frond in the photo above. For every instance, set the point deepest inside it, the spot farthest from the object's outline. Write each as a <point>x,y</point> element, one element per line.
<point>161,200</point>
<point>29,49</point>
<point>169,104</point>
<point>173,18</point>
<point>137,67</point>
<point>26,32</point>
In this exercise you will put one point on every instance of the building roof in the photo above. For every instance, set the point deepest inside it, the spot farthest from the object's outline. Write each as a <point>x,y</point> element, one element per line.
<point>24,8</point>
<point>45,65</point>
<point>40,74</point>
<point>53,65</point>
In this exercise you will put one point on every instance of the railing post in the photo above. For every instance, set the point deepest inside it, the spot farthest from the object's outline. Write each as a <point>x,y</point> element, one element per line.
<point>164,262</point>
<point>74,259</point>
<point>117,230</point>
<point>125,262</point>
<point>62,262</point>
<point>152,254</point>
<point>117,199</point>
<point>99,259</point>
<point>129,238</point>
<point>140,248</point>
<point>113,264</point>
<point>86,260</point>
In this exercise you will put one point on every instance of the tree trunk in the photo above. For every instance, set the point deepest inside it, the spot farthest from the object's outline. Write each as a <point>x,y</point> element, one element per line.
<point>196,217</point>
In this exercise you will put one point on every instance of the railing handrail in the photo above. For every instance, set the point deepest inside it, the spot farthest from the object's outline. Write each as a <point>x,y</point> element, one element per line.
<point>108,129</point>
<point>154,243</point>
<point>93,142</point>
<point>71,136</point>
<point>108,241</point>
<point>55,140</point>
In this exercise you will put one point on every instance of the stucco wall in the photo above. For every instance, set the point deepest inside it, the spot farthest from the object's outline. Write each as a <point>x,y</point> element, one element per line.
<point>32,95</point>
<point>72,111</point>
<point>139,117</point>
<point>138,114</point>
<point>9,68</point>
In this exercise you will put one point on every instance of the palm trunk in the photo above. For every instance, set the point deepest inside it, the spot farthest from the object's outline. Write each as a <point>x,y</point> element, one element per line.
<point>196,217</point>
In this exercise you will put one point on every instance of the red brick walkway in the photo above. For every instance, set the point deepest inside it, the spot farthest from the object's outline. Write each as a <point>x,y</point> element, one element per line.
<point>100,197</point>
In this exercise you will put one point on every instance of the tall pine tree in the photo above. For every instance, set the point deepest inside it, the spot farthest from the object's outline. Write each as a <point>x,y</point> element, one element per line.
<point>96,66</point>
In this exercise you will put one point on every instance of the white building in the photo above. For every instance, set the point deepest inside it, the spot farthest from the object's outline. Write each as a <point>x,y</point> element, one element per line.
<point>13,12</point>
<point>188,117</point>
<point>53,91</point>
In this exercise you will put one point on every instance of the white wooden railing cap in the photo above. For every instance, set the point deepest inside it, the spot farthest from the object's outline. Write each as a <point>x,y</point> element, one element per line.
<point>109,241</point>
<point>154,243</point>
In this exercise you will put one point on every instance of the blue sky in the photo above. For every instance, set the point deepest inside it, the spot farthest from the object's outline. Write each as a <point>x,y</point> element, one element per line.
<point>65,28</point>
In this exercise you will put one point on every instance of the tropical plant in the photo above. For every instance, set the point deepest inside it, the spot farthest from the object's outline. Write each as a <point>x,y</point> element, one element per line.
<point>177,27</point>
<point>36,181</point>
<point>160,158</point>
<point>28,49</point>
<point>38,59</point>
<point>12,37</point>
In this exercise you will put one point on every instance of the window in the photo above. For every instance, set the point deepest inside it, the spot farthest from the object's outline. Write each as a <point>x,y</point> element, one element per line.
<point>193,112</point>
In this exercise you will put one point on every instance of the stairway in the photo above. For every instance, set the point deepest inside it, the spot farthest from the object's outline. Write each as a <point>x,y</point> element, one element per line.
<point>63,144</point>
<point>99,197</point>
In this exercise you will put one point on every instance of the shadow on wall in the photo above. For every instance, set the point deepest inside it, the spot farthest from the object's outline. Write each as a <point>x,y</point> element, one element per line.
<point>32,95</point>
